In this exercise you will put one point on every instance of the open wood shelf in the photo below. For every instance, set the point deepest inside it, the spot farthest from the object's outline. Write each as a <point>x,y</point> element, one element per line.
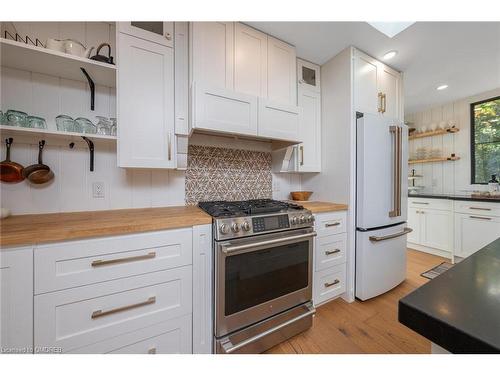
<point>433,160</point>
<point>16,130</point>
<point>19,55</point>
<point>433,133</point>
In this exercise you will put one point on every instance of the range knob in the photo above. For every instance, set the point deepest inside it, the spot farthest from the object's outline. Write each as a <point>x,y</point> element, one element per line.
<point>309,218</point>
<point>294,220</point>
<point>224,228</point>
<point>302,219</point>
<point>235,227</point>
<point>245,226</point>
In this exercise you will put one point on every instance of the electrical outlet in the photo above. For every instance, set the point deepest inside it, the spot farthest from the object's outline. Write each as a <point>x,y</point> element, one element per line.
<point>276,185</point>
<point>98,189</point>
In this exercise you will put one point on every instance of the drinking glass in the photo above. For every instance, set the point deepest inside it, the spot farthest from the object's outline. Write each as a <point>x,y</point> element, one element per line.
<point>113,126</point>
<point>65,123</point>
<point>103,125</point>
<point>86,125</point>
<point>17,118</point>
<point>36,122</point>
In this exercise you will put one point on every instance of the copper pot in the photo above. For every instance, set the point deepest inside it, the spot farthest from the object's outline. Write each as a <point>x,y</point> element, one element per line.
<point>10,171</point>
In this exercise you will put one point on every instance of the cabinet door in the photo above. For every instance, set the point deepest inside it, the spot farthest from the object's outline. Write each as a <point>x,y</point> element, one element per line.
<point>278,121</point>
<point>309,152</point>
<point>472,232</point>
<point>145,104</point>
<point>436,229</point>
<point>158,32</point>
<point>365,84</point>
<point>16,304</point>
<point>414,223</point>
<point>212,54</point>
<point>250,59</point>
<point>281,72</point>
<point>389,85</point>
<point>308,76</point>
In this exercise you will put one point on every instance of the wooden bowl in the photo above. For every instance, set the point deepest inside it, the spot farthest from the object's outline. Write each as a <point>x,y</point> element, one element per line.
<point>301,195</point>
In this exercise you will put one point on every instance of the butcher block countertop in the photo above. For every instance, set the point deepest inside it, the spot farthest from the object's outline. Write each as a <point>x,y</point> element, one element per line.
<point>318,207</point>
<point>25,230</point>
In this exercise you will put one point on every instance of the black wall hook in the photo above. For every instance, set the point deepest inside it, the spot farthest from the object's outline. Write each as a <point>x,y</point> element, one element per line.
<point>92,88</point>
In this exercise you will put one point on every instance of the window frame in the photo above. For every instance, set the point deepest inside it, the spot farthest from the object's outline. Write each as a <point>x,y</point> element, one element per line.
<point>473,143</point>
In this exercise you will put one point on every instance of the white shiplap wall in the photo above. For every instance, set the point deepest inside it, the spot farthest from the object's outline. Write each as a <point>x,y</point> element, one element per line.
<point>447,177</point>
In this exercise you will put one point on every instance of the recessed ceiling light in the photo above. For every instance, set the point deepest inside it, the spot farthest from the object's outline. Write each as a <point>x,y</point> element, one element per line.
<point>390,28</point>
<point>442,87</point>
<point>389,55</point>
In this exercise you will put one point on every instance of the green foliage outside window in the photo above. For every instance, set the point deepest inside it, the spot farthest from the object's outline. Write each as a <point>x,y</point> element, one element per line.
<point>485,139</point>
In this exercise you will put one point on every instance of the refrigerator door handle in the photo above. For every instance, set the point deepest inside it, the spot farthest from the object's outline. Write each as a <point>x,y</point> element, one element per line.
<point>389,236</point>
<point>400,167</point>
<point>395,161</point>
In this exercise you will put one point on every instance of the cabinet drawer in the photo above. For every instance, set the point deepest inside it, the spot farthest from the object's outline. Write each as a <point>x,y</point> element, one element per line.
<point>330,251</point>
<point>478,208</point>
<point>331,223</point>
<point>170,337</point>
<point>435,204</point>
<point>78,317</point>
<point>77,263</point>
<point>329,283</point>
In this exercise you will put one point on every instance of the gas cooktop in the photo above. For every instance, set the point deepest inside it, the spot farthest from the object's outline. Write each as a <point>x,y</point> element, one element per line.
<point>219,209</point>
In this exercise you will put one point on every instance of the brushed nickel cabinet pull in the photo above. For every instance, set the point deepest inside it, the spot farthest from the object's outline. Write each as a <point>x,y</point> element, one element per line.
<point>301,155</point>
<point>335,282</point>
<point>169,147</point>
<point>332,224</point>
<point>383,103</point>
<point>152,351</point>
<point>480,208</point>
<point>100,262</point>
<point>380,102</point>
<point>420,202</point>
<point>99,313</point>
<point>330,252</point>
<point>480,217</point>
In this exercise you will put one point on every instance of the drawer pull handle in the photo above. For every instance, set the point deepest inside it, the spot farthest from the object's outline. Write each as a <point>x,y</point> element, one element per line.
<point>335,282</point>
<point>152,351</point>
<point>330,252</point>
<point>480,217</point>
<point>332,224</point>
<point>420,202</point>
<point>480,208</point>
<point>99,313</point>
<point>100,262</point>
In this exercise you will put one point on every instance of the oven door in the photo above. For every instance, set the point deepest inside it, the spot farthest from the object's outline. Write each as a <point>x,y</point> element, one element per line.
<point>261,276</point>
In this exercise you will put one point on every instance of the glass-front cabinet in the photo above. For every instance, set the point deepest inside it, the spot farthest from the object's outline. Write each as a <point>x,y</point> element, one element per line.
<point>308,76</point>
<point>157,32</point>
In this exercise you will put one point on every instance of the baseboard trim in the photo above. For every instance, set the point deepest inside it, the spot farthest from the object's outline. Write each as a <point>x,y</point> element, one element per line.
<point>430,250</point>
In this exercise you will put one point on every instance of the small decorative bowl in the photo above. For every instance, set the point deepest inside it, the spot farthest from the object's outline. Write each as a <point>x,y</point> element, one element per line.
<point>301,195</point>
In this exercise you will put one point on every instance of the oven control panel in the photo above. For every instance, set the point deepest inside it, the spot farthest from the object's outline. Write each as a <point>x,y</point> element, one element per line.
<point>269,223</point>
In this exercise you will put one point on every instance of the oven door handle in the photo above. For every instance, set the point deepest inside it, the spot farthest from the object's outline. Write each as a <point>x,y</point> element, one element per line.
<point>232,249</point>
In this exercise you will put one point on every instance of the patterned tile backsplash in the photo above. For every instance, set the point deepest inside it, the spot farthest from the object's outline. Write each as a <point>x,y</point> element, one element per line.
<point>215,173</point>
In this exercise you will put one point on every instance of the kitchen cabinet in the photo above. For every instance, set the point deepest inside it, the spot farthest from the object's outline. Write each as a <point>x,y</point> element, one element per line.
<point>414,223</point>
<point>157,32</point>
<point>281,72</point>
<point>145,103</point>
<point>308,76</point>
<point>16,300</point>
<point>474,231</point>
<point>250,60</point>
<point>308,152</point>
<point>279,121</point>
<point>377,87</point>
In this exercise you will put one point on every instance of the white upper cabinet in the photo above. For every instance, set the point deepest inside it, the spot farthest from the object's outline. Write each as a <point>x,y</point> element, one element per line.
<point>250,59</point>
<point>308,76</point>
<point>281,72</point>
<point>377,87</point>
<point>157,32</point>
<point>145,104</point>
<point>212,54</point>
<point>309,151</point>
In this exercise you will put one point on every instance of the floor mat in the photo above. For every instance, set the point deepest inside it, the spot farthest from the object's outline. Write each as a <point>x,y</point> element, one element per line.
<point>436,271</point>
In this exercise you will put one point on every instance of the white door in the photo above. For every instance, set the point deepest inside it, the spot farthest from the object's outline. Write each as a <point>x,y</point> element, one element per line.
<point>414,217</point>
<point>158,32</point>
<point>473,232</point>
<point>366,92</point>
<point>145,93</point>
<point>437,229</point>
<point>308,76</point>
<point>281,72</point>
<point>380,260</point>
<point>309,152</point>
<point>250,59</point>
<point>381,171</point>
<point>16,300</point>
<point>389,85</point>
<point>212,53</point>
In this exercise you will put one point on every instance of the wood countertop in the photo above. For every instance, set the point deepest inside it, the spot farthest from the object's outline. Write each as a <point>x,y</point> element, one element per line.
<point>318,207</point>
<point>26,230</point>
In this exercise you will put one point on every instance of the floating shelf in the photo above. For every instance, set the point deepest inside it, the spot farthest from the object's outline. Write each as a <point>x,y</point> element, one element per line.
<point>433,133</point>
<point>16,130</point>
<point>19,55</point>
<point>433,160</point>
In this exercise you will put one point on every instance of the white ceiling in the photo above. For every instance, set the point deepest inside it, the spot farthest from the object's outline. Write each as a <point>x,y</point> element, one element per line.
<point>463,55</point>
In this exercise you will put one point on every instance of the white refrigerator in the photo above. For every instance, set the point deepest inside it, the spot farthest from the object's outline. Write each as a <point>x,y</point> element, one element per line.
<point>381,204</point>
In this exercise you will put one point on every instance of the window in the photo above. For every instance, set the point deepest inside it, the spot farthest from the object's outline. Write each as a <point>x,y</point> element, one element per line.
<point>485,140</point>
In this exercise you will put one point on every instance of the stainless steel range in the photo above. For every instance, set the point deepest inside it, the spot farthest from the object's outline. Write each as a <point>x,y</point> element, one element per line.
<point>263,273</point>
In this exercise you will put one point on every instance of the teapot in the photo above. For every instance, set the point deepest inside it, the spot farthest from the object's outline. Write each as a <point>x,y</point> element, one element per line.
<point>71,46</point>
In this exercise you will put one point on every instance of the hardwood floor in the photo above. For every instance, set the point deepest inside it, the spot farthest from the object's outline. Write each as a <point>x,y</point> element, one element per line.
<point>365,327</point>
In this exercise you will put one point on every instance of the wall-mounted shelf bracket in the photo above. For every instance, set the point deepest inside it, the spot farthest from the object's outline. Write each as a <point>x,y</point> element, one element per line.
<point>91,86</point>
<point>91,151</point>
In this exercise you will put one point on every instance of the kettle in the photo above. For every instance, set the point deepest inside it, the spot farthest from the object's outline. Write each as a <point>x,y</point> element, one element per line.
<point>106,59</point>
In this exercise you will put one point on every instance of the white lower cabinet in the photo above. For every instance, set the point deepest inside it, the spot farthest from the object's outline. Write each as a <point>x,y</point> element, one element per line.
<point>474,231</point>
<point>330,256</point>
<point>16,300</point>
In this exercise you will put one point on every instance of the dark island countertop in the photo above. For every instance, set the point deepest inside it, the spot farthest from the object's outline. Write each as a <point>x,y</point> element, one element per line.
<point>460,309</point>
<point>454,197</point>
